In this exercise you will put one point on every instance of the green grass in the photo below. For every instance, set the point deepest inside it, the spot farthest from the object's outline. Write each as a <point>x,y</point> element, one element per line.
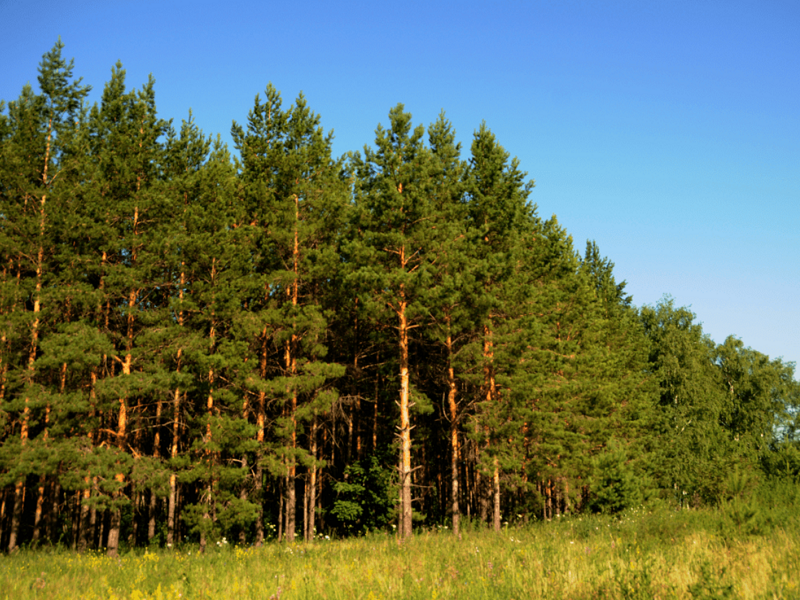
<point>661,554</point>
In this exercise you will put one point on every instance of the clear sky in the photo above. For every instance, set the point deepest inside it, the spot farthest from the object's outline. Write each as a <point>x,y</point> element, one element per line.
<point>669,132</point>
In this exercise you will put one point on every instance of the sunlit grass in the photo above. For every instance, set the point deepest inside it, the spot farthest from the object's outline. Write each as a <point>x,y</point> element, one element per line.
<point>664,554</point>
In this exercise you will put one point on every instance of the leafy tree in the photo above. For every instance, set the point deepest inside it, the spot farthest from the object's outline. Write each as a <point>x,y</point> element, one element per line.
<point>691,450</point>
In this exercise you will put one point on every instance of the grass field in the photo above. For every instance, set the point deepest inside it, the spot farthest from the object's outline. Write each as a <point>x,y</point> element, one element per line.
<point>661,554</point>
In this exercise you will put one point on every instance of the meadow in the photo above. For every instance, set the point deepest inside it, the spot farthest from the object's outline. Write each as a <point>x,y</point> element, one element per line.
<point>729,552</point>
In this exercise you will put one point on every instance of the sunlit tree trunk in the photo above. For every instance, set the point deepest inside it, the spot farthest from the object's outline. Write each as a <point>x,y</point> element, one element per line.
<point>291,368</point>
<point>151,511</point>
<point>312,482</point>
<point>31,369</point>
<point>176,426</point>
<point>260,425</point>
<point>491,397</point>
<point>208,437</point>
<point>454,450</point>
<point>122,420</point>
<point>405,423</point>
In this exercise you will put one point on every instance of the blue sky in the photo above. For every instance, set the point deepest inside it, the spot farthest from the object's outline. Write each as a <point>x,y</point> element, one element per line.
<point>669,132</point>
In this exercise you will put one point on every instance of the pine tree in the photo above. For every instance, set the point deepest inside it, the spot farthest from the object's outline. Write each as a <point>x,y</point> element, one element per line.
<point>39,132</point>
<point>189,181</point>
<point>125,134</point>
<point>450,315</point>
<point>395,224</point>
<point>499,218</point>
<point>295,197</point>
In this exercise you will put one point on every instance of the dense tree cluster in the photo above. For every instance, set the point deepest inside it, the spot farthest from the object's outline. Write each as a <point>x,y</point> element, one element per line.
<point>278,342</point>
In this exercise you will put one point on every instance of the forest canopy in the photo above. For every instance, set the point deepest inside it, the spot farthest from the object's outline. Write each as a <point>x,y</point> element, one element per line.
<point>280,342</point>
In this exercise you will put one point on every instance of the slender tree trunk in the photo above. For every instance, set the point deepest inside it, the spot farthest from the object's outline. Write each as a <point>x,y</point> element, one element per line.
<point>280,512</point>
<point>75,513</point>
<point>89,514</point>
<point>491,397</point>
<point>375,413</point>
<point>305,507</point>
<point>312,482</point>
<point>16,511</point>
<point>209,454</point>
<point>451,401</point>
<point>152,508</point>
<point>102,528</point>
<point>405,424</point>
<point>210,412</point>
<point>3,496</point>
<point>83,536</point>
<point>37,517</point>
<point>31,368</point>
<point>176,425</point>
<point>93,520</point>
<point>18,505</point>
<point>122,422</point>
<point>291,367</point>
<point>496,503</point>
<point>122,430</point>
<point>3,366</point>
<point>261,424</point>
<point>245,468</point>
<point>291,500</point>
<point>4,351</point>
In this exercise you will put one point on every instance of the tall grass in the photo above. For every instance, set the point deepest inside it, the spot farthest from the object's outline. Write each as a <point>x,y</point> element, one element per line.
<point>641,554</point>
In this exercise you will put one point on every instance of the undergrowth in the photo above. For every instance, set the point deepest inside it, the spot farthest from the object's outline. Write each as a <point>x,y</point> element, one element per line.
<point>721,553</point>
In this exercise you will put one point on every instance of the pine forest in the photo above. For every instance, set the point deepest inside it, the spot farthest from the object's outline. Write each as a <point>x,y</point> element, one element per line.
<point>271,342</point>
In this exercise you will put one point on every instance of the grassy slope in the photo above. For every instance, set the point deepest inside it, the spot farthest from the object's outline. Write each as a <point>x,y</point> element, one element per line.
<point>665,554</point>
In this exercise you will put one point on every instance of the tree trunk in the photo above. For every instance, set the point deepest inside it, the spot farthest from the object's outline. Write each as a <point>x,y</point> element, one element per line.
<point>405,424</point>
<point>176,419</point>
<point>173,452</point>
<point>451,400</point>
<point>312,482</point>
<point>375,414</point>
<point>208,437</point>
<point>83,536</point>
<point>261,424</point>
<point>122,423</point>
<point>491,397</point>
<point>16,511</point>
<point>122,429</point>
<point>113,532</point>
<point>496,504</point>
<point>31,369</point>
<point>76,519</point>
<point>280,513</point>
<point>291,367</point>
<point>152,508</point>
<point>260,498</point>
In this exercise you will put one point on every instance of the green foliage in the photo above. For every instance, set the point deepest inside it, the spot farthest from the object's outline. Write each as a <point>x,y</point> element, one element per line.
<point>615,486</point>
<point>365,499</point>
<point>196,342</point>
